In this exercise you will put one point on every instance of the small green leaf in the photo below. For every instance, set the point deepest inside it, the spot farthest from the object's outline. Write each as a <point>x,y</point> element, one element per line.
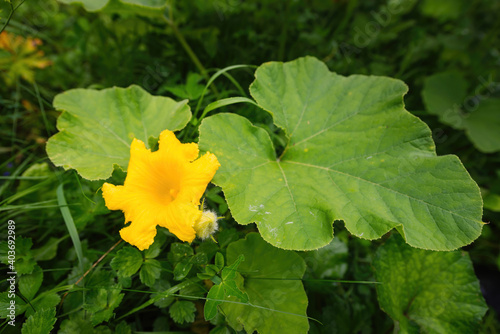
<point>182,311</point>
<point>97,127</point>
<point>178,251</point>
<point>45,300</point>
<point>41,322</point>
<point>29,284</point>
<point>77,324</point>
<point>127,261</point>
<point>219,261</point>
<point>7,304</point>
<point>150,272</point>
<point>101,302</point>
<point>160,286</point>
<point>353,153</point>
<point>329,262</point>
<point>24,263</point>
<point>123,328</point>
<point>443,94</point>
<point>272,281</point>
<point>124,7</point>
<point>214,298</point>
<point>155,249</point>
<point>425,291</point>
<point>482,126</point>
<point>182,269</point>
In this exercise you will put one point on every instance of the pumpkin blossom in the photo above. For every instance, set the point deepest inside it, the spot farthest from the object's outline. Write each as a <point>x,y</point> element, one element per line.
<point>162,188</point>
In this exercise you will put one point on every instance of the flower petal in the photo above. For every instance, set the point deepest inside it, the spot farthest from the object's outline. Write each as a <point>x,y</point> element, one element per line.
<point>170,146</point>
<point>179,218</point>
<point>140,233</point>
<point>198,175</point>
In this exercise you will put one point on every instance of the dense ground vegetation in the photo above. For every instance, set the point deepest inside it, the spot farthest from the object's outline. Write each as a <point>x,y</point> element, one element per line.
<point>447,52</point>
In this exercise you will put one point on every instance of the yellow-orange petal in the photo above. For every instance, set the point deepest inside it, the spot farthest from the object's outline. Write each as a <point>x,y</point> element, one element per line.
<point>179,219</point>
<point>139,233</point>
<point>170,146</point>
<point>198,175</point>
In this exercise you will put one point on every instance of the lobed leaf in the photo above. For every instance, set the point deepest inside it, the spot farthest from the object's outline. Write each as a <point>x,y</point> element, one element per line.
<point>277,301</point>
<point>353,154</point>
<point>96,128</point>
<point>430,292</point>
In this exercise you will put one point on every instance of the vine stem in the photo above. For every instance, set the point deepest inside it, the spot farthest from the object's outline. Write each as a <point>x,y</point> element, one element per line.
<point>90,269</point>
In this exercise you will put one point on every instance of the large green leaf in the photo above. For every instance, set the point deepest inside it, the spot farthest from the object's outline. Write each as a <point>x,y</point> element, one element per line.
<point>444,95</point>
<point>354,153</point>
<point>97,127</point>
<point>428,292</point>
<point>138,7</point>
<point>272,282</point>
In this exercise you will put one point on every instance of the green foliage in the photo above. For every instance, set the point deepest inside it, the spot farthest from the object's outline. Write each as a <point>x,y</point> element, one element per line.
<point>445,95</point>
<point>127,261</point>
<point>182,311</point>
<point>101,303</point>
<point>124,7</point>
<point>388,177</point>
<point>225,287</point>
<point>41,322</point>
<point>80,280</point>
<point>271,278</point>
<point>24,262</point>
<point>97,127</point>
<point>428,291</point>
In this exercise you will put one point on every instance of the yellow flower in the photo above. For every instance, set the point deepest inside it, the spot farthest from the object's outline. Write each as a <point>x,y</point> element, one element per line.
<point>162,188</point>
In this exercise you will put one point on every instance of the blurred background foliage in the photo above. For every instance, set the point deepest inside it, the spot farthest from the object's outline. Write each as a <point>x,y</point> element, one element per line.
<point>49,47</point>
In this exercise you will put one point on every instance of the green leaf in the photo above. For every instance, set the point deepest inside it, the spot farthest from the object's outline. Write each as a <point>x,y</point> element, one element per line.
<point>127,7</point>
<point>123,328</point>
<point>354,153</point>
<point>225,288</point>
<point>443,94</point>
<point>29,284</point>
<point>41,322</point>
<point>76,324</point>
<point>24,263</point>
<point>101,302</point>
<point>430,292</point>
<point>127,261</point>
<point>214,299</point>
<point>329,262</point>
<point>6,302</point>
<point>182,269</point>
<point>155,249</point>
<point>482,126</point>
<point>182,311</point>
<point>150,272</point>
<point>277,300</point>
<point>45,300</point>
<point>219,260</point>
<point>97,127</point>
<point>178,251</point>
